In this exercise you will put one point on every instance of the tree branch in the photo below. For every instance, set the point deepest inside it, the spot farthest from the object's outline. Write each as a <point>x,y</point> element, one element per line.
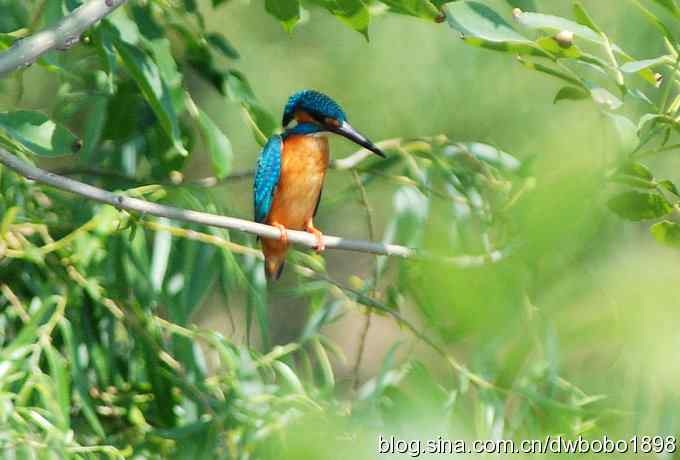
<point>62,35</point>
<point>155,209</point>
<point>128,203</point>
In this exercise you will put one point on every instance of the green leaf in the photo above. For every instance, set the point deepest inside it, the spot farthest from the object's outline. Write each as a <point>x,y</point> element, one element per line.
<point>626,131</point>
<point>288,377</point>
<point>667,233</point>
<point>583,17</point>
<point>481,26</point>
<point>286,11</point>
<point>524,5</point>
<point>162,246</point>
<point>262,122</point>
<point>669,186</point>
<point>637,206</point>
<point>636,66</point>
<point>352,13</point>
<point>553,47</point>
<point>62,381</point>
<point>669,5</point>
<point>655,21</point>
<point>155,90</point>
<point>547,22</point>
<point>637,170</point>
<point>218,145</point>
<point>636,175</point>
<point>94,124</point>
<point>570,93</point>
<point>38,133</point>
<point>222,44</point>
<point>605,98</point>
<point>419,8</point>
<point>483,152</point>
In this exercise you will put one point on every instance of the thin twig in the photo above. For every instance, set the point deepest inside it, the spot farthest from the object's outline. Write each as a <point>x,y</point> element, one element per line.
<point>15,302</point>
<point>137,205</point>
<point>371,303</point>
<point>371,234</point>
<point>62,35</point>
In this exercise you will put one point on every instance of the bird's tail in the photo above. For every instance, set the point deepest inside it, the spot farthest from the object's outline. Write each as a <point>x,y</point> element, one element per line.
<point>274,258</point>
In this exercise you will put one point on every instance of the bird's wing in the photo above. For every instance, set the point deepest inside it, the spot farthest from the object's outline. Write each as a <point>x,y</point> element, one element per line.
<point>267,177</point>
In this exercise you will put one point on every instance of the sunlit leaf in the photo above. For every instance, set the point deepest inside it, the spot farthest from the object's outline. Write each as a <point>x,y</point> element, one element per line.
<point>666,232</point>
<point>547,22</point>
<point>217,144</point>
<point>482,26</point>
<point>626,131</point>
<point>354,13</point>
<point>484,152</point>
<point>636,66</point>
<point>38,133</point>
<point>418,8</point>
<point>604,97</point>
<point>551,45</point>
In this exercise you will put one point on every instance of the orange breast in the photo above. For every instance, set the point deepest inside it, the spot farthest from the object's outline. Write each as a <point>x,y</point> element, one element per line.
<point>304,161</point>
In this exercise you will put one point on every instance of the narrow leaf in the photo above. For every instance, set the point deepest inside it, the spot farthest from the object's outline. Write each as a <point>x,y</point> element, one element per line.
<point>148,77</point>
<point>419,8</point>
<point>38,133</point>
<point>583,17</point>
<point>217,144</point>
<point>636,66</point>
<point>222,44</point>
<point>570,93</point>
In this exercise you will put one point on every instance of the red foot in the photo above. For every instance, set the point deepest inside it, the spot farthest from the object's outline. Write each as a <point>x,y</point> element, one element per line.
<point>320,246</point>
<point>284,232</point>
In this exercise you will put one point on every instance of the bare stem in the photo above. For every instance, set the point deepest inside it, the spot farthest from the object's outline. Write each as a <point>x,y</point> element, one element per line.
<point>62,35</point>
<point>137,205</point>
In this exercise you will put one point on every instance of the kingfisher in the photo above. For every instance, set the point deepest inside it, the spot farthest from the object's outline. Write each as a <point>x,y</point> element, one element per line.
<point>292,168</point>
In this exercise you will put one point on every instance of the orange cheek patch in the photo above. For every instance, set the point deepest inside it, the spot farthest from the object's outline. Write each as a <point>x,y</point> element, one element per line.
<point>303,117</point>
<point>332,122</point>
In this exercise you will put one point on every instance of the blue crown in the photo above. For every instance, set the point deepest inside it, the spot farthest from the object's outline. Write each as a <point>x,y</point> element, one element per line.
<point>315,103</point>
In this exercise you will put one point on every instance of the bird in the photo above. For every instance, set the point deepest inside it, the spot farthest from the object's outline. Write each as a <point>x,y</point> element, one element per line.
<point>291,170</point>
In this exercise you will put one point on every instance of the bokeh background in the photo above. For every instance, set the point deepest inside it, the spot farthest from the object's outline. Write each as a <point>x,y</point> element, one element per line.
<point>603,304</point>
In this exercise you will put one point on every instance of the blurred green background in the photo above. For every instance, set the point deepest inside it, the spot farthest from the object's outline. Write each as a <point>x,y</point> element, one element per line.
<point>577,325</point>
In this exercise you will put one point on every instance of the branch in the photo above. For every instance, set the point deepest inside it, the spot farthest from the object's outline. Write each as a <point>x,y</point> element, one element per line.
<point>196,217</point>
<point>62,35</point>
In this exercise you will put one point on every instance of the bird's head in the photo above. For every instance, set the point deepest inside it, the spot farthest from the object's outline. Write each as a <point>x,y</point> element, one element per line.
<point>310,107</point>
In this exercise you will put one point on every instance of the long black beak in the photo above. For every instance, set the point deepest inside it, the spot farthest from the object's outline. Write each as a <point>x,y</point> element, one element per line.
<point>346,130</point>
